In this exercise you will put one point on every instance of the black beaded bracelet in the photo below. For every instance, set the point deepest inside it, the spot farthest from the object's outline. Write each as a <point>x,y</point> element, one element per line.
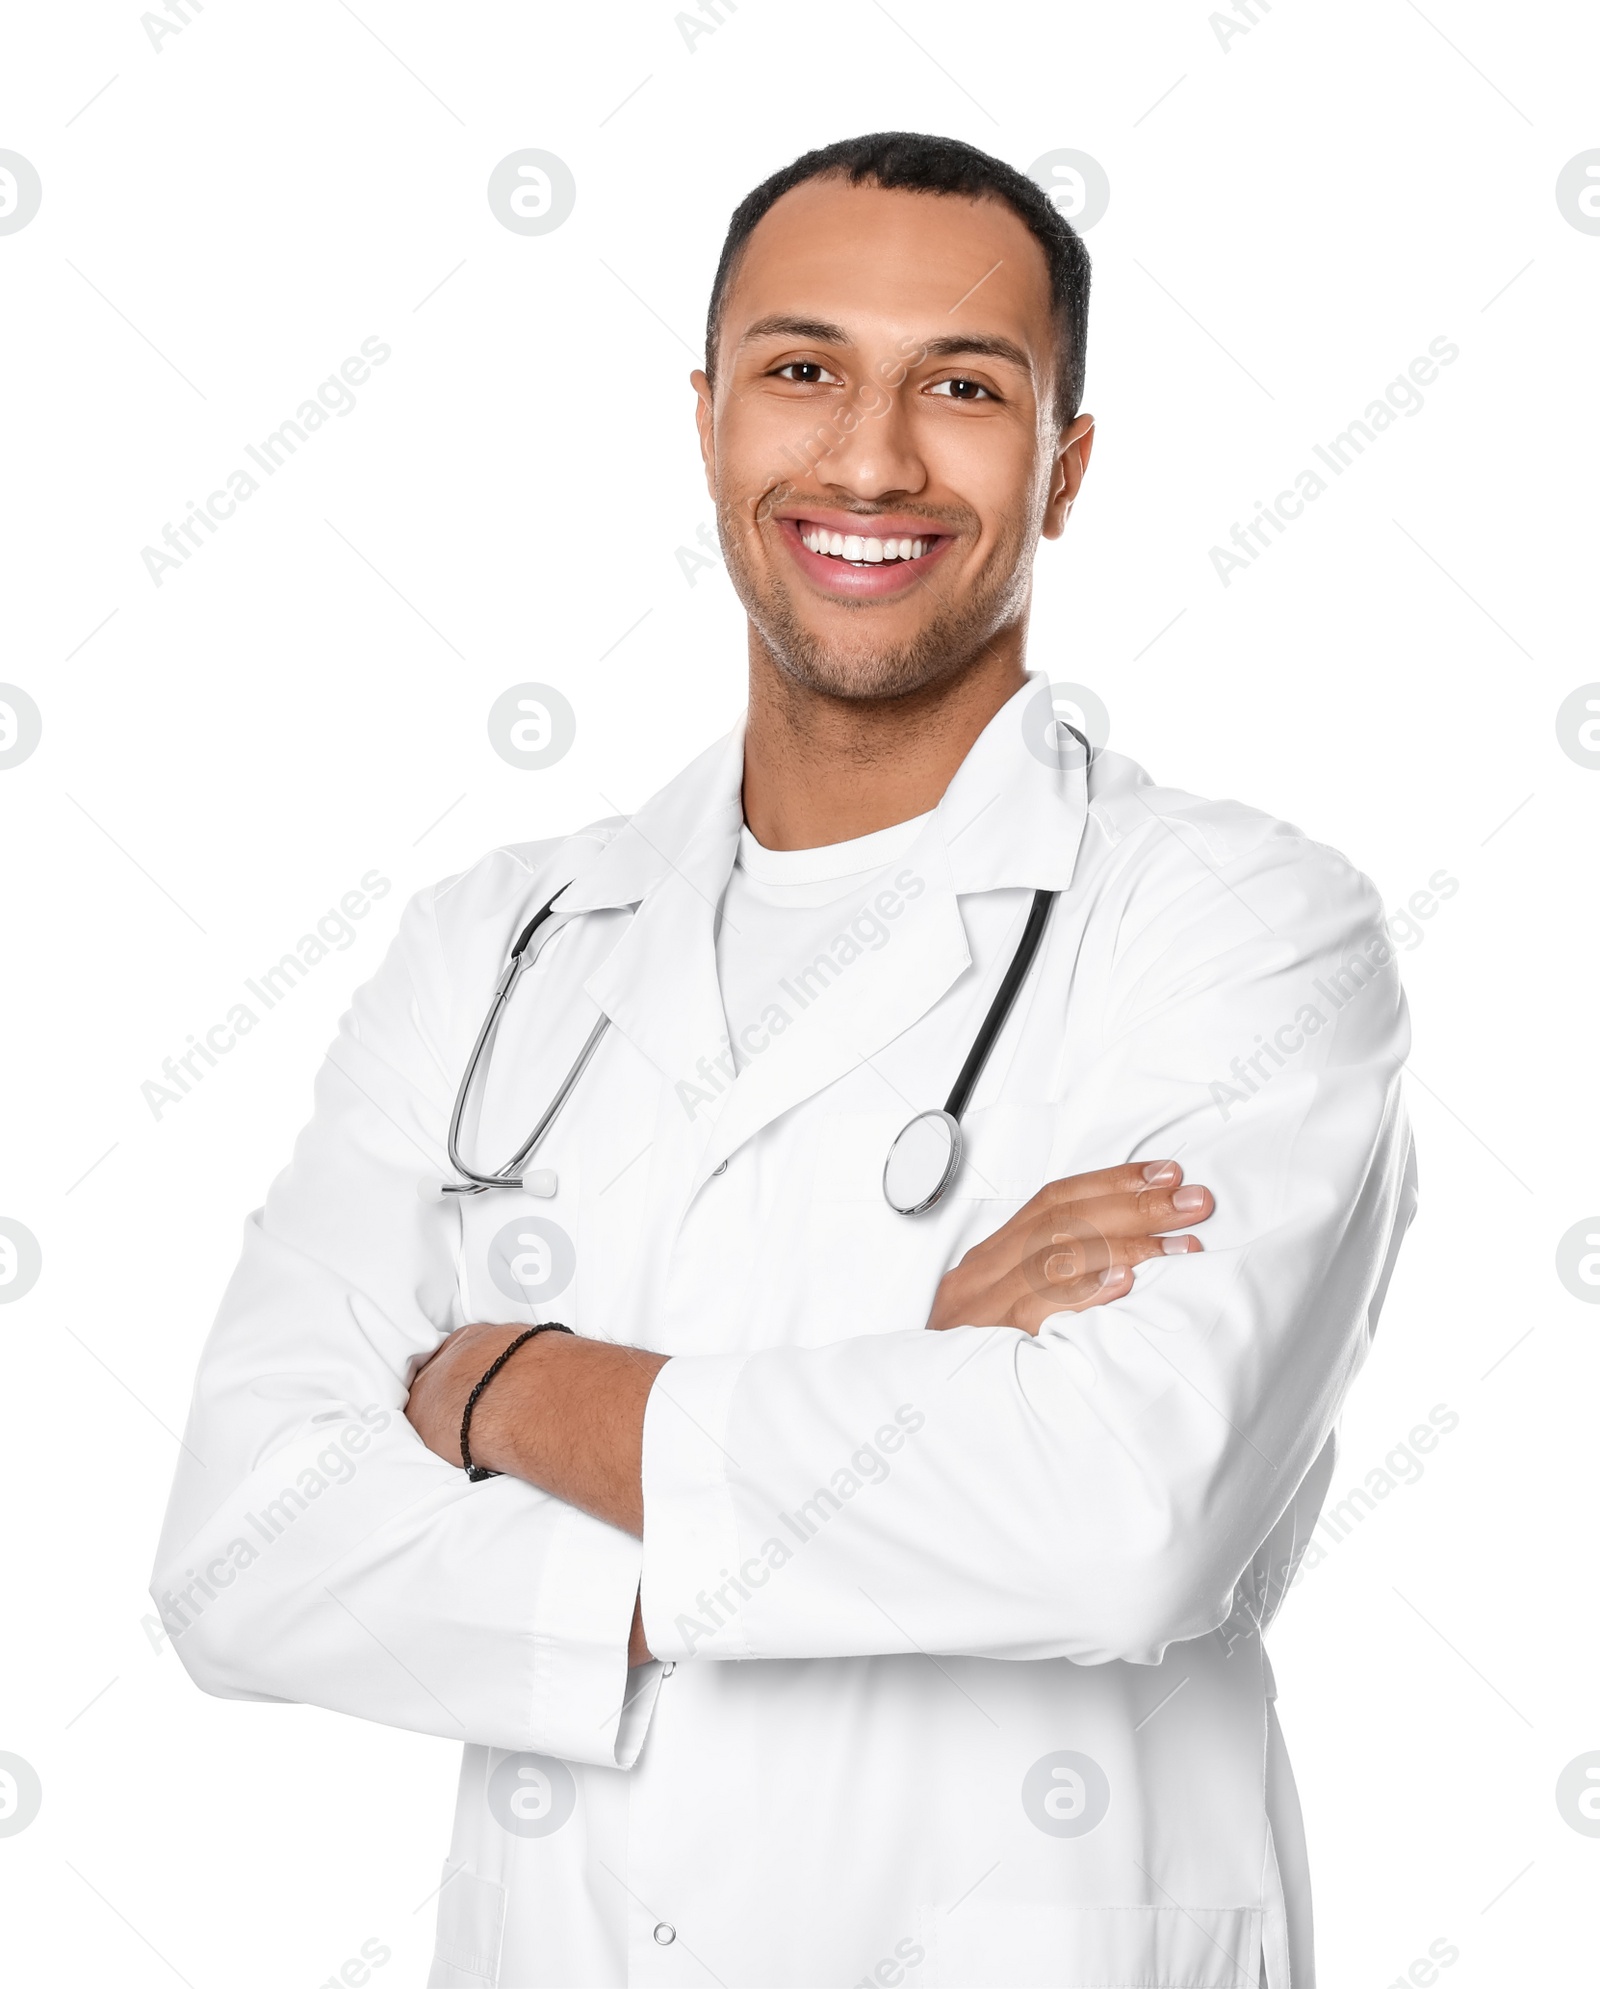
<point>476,1471</point>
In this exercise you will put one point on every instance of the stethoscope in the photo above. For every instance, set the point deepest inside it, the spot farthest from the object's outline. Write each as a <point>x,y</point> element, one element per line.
<point>925,1155</point>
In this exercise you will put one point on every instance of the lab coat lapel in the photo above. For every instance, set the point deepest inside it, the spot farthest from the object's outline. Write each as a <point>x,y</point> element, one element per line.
<point>1008,818</point>
<point>876,997</point>
<point>658,984</point>
<point>1011,816</point>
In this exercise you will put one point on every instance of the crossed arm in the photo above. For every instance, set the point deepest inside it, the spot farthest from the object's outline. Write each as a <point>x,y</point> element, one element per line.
<point>1086,1488</point>
<point>567,1414</point>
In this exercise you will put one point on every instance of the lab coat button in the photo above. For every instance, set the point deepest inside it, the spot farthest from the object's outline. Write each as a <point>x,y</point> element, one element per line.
<point>669,1667</point>
<point>720,1168</point>
<point>665,1935</point>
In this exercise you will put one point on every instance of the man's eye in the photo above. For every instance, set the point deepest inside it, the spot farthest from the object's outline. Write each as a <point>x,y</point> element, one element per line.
<point>805,373</point>
<point>962,390</point>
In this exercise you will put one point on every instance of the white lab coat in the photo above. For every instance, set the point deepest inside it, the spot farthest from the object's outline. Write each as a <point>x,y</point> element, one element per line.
<point>960,1676</point>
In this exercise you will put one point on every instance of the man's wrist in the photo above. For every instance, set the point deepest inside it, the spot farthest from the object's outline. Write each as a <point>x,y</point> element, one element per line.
<point>507,1421</point>
<point>567,1414</point>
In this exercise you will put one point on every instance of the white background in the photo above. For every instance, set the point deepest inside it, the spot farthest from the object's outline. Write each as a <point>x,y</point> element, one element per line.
<point>1292,219</point>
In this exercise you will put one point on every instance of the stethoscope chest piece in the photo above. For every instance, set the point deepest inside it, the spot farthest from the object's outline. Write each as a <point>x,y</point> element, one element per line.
<point>922,1162</point>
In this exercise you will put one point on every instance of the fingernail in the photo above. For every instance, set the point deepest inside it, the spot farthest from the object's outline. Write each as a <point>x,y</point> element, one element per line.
<point>1113,1274</point>
<point>1161,1170</point>
<point>1187,1200</point>
<point>1176,1246</point>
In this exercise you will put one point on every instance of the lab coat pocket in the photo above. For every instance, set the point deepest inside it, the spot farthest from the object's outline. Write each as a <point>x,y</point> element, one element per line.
<point>1006,1152</point>
<point>851,1150</point>
<point>1043,1945</point>
<point>472,1915</point>
<point>879,1270</point>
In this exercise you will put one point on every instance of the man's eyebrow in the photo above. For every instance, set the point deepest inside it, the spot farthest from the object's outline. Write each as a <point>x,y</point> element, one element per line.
<point>986,345</point>
<point>818,330</point>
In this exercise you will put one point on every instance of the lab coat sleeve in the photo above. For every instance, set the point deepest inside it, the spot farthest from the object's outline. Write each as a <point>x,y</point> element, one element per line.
<point>314,1548</point>
<point>1096,1491</point>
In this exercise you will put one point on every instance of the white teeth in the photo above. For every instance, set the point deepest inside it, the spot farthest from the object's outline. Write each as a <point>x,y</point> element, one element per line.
<point>860,551</point>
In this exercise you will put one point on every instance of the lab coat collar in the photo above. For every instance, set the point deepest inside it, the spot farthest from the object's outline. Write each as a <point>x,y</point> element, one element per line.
<point>1009,817</point>
<point>689,828</point>
<point>672,860</point>
<point>1012,816</point>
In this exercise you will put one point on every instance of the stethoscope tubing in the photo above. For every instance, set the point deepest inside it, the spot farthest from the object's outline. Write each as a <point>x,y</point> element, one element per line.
<point>1004,1001</point>
<point>510,1175</point>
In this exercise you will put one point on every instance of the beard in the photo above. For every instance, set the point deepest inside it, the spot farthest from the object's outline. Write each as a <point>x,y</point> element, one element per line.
<point>865,669</point>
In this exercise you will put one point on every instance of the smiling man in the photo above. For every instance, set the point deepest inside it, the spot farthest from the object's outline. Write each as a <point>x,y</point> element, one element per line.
<point>866,1585</point>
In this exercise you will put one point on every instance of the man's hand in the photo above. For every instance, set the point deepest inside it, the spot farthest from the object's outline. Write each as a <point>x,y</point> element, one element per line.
<point>440,1387</point>
<point>1073,1246</point>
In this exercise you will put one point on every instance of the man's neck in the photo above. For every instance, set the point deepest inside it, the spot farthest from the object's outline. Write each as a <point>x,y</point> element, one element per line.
<point>820,769</point>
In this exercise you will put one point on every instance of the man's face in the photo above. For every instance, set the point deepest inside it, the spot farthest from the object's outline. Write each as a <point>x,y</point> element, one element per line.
<point>881,442</point>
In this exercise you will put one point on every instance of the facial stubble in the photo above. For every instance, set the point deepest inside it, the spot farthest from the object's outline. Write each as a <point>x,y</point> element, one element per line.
<point>868,671</point>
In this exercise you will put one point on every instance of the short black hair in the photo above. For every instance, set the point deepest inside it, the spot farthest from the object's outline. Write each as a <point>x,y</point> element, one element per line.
<point>915,162</point>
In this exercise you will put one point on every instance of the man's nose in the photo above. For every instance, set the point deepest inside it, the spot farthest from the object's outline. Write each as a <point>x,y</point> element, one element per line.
<point>876,454</point>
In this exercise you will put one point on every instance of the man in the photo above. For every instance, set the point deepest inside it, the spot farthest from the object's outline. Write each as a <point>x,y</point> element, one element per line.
<point>1005,1716</point>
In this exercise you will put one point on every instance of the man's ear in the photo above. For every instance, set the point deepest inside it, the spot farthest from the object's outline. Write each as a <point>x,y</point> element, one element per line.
<point>1067,474</point>
<point>705,422</point>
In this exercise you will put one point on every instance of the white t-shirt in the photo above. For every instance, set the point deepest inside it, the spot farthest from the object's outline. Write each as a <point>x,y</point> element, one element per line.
<point>792,922</point>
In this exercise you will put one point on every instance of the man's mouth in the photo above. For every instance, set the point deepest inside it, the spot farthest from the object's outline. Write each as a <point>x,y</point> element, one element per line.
<point>863,565</point>
<point>861,551</point>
